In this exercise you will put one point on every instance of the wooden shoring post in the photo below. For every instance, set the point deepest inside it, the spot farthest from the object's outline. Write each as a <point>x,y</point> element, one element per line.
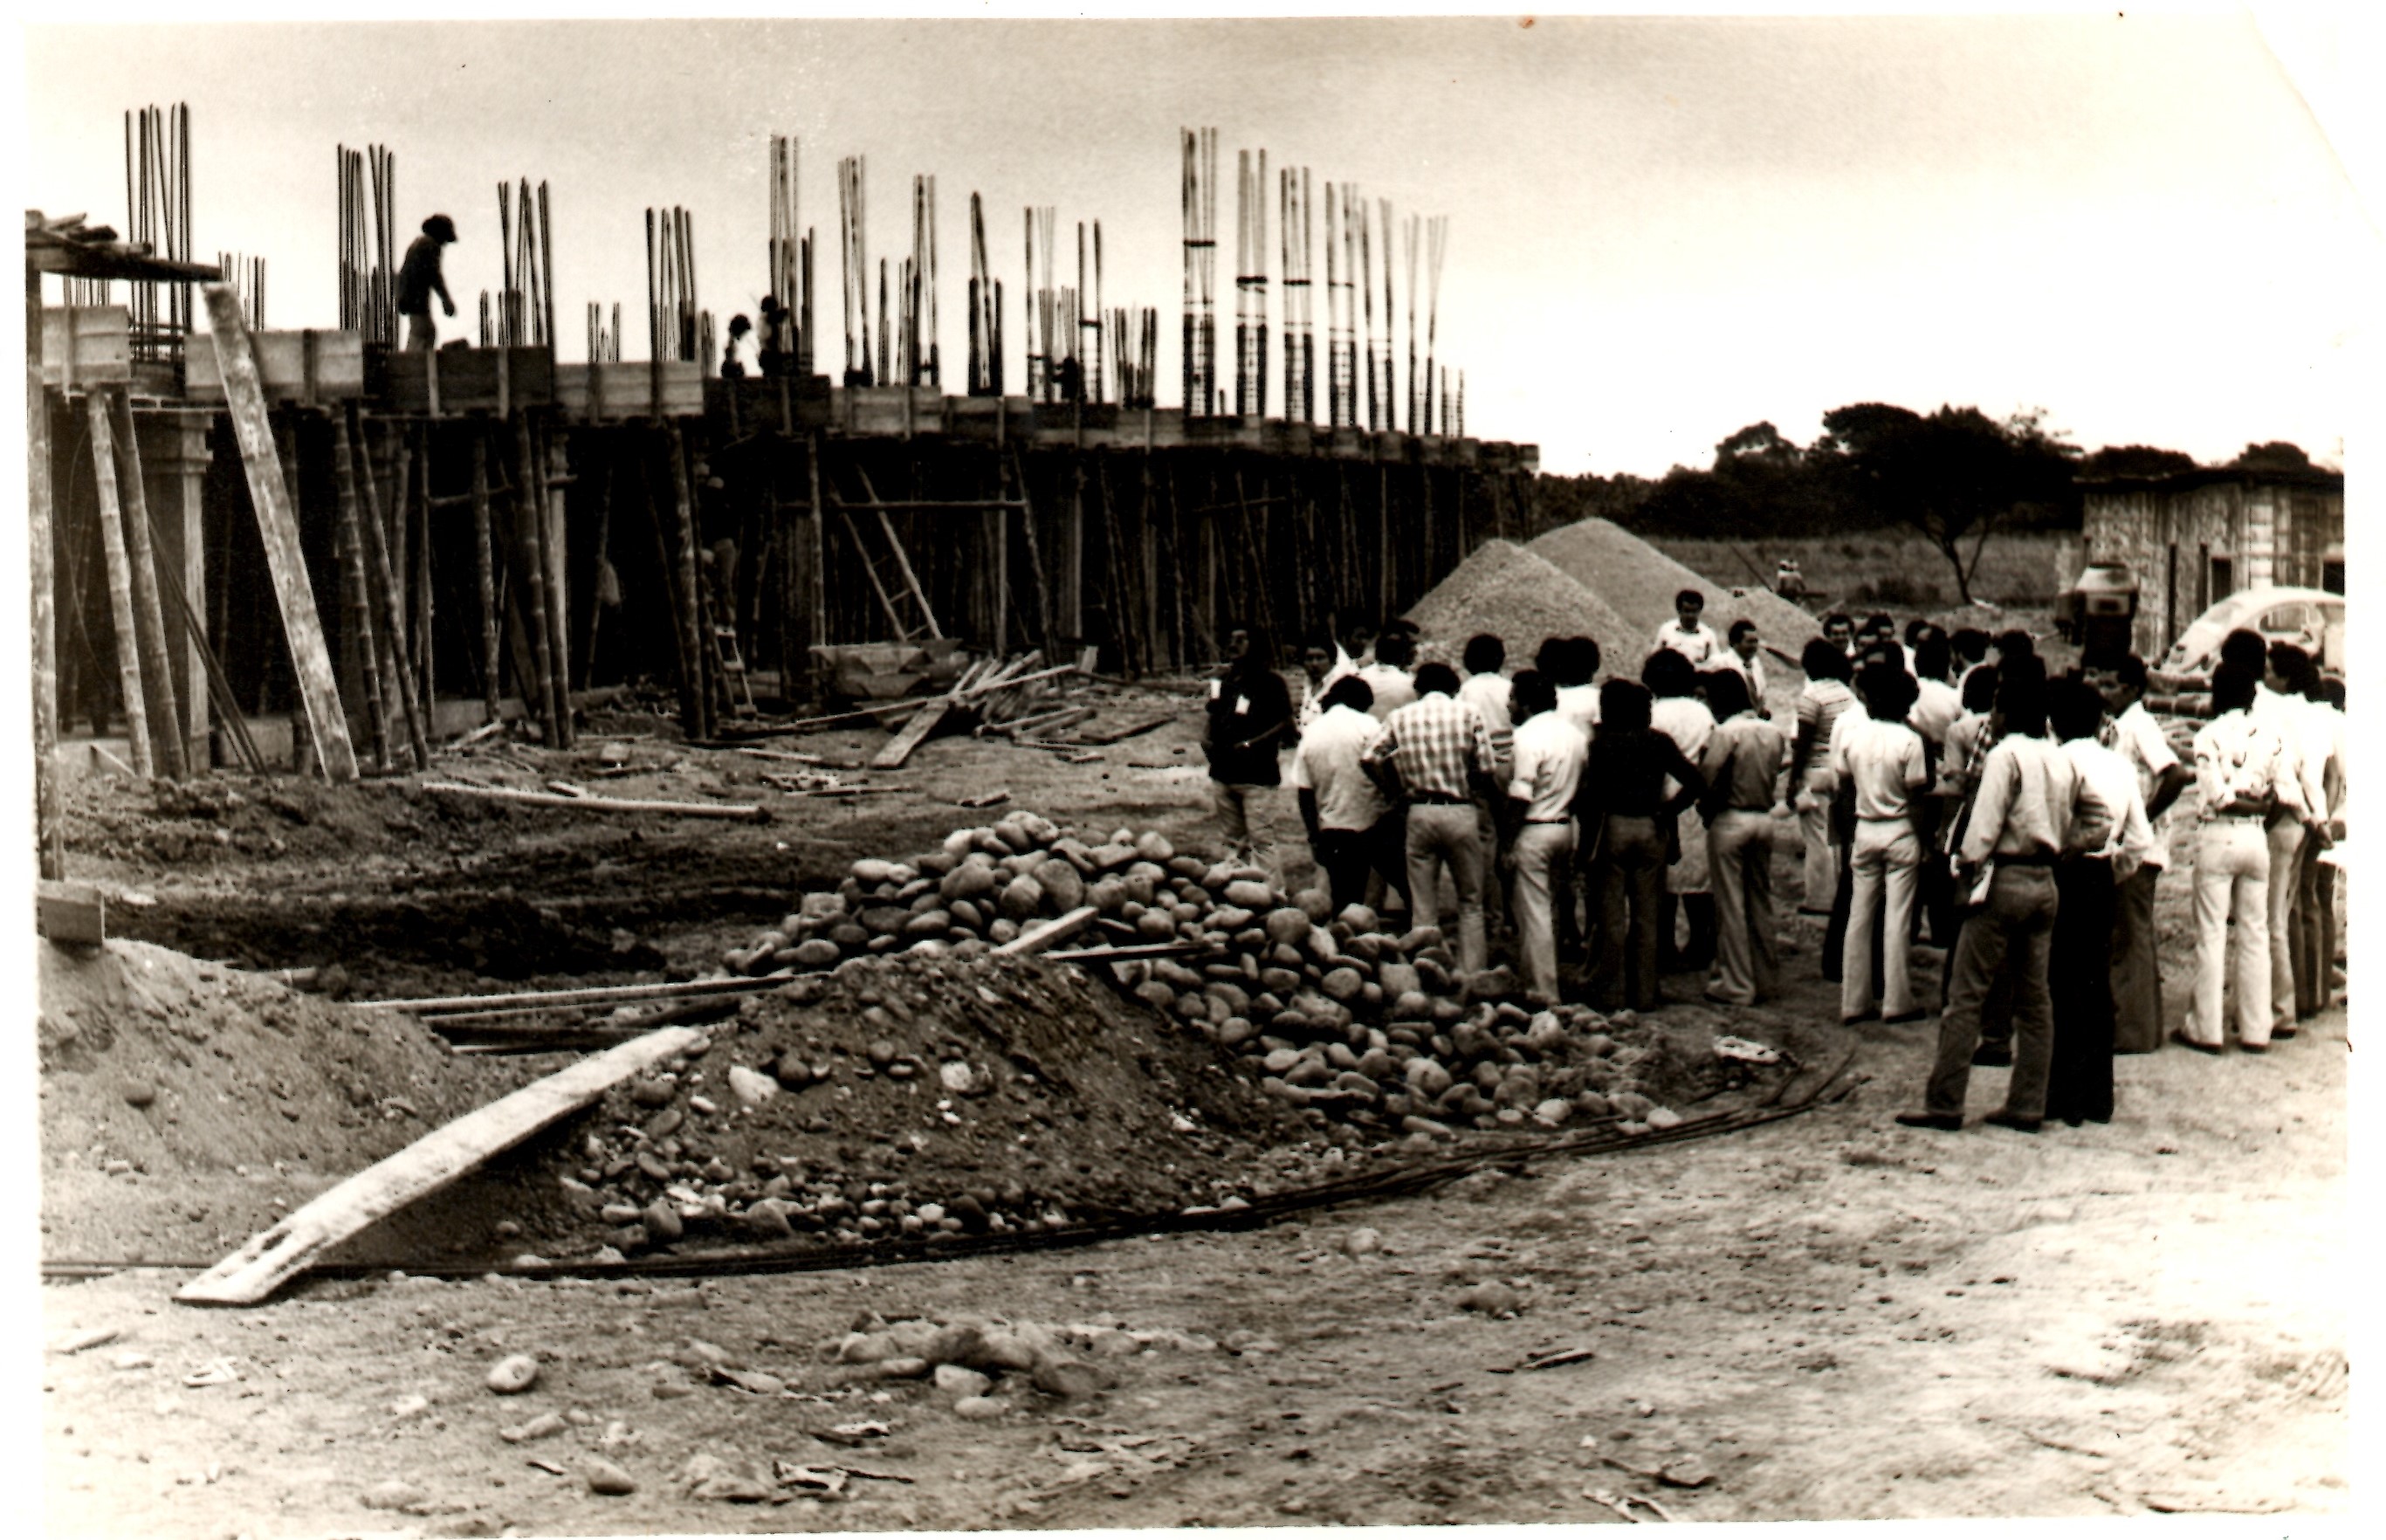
<point>529,540</point>
<point>49,812</point>
<point>1044,633</point>
<point>1263,600</point>
<point>120,589</point>
<point>244,400</point>
<point>598,448</point>
<point>348,433</point>
<point>1428,548</point>
<point>302,757</point>
<point>1120,606</point>
<point>996,560</point>
<point>168,740</point>
<point>414,506</point>
<point>1387,583</point>
<point>1071,621</point>
<point>553,491</point>
<point>809,569</point>
<point>1147,554</point>
<point>484,572</point>
<point>1180,605</point>
<point>695,700</point>
<point>355,589</point>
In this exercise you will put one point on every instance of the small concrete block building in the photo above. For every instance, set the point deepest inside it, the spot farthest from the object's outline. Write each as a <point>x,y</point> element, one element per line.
<point>2191,538</point>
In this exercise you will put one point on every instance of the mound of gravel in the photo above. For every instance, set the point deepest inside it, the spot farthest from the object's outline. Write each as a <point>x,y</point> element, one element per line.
<point>1642,581</point>
<point>1521,598</point>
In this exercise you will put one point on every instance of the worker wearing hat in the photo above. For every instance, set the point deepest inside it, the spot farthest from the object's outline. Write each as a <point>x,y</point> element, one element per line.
<point>418,278</point>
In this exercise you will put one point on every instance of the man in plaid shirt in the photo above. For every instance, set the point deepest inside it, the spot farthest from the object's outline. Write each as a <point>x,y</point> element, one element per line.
<point>1435,755</point>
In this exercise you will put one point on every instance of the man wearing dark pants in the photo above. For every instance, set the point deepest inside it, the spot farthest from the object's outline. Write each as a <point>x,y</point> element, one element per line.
<point>418,278</point>
<point>1340,805</point>
<point>1250,722</point>
<point>2021,825</point>
<point>1435,753</point>
<point>2138,1025</point>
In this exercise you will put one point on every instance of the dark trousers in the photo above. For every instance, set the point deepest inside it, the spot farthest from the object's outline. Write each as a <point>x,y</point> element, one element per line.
<point>2314,947</point>
<point>1630,873</point>
<point>2079,979</point>
<point>1934,886</point>
<point>2138,1025</point>
<point>1348,855</point>
<point>2008,935</point>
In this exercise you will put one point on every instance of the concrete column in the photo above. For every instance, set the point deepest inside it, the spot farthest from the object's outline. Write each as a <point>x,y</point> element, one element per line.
<point>174,471</point>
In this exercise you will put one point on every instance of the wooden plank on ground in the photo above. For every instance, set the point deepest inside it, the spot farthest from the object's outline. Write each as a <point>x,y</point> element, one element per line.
<point>1132,729</point>
<point>1038,937</point>
<point>277,525</point>
<point>275,1256</point>
<point>915,733</point>
<point>750,812</point>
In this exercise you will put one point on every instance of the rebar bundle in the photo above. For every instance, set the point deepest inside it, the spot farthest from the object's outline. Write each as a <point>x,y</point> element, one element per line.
<point>158,193</point>
<point>986,311</point>
<point>923,364</point>
<point>853,264</point>
<point>1134,347</point>
<point>1052,332</point>
<point>369,243</point>
<point>246,276</point>
<point>1392,400</point>
<point>604,342</point>
<point>790,250</point>
<point>1250,285</point>
<point>1200,207</point>
<point>1367,308</point>
<point>1436,246</point>
<point>672,328</point>
<point>1299,341</point>
<point>525,314</point>
<point>1341,309</point>
<point>1090,321</point>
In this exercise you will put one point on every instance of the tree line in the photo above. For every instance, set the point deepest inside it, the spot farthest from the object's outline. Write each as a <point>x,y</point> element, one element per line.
<point>1957,476</point>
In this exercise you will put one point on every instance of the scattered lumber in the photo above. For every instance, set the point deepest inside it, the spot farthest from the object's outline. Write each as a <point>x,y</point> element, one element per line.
<point>1036,938</point>
<point>985,799</point>
<point>71,914</point>
<point>748,812</point>
<point>1132,729</point>
<point>788,755</point>
<point>274,1256</point>
<point>914,732</point>
<point>592,994</point>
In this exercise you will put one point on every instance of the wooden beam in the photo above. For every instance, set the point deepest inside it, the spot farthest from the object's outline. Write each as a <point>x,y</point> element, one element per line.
<point>1036,938</point>
<point>484,569</point>
<point>49,812</point>
<point>244,403</point>
<point>167,740</point>
<point>120,589</point>
<point>746,812</point>
<point>275,1256</point>
<point>594,994</point>
<point>530,539</point>
<point>914,732</point>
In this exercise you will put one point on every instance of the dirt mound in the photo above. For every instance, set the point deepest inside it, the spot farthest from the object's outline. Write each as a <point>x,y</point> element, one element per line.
<point>1642,581</point>
<point>906,1096</point>
<point>1522,598</point>
<point>185,1105</point>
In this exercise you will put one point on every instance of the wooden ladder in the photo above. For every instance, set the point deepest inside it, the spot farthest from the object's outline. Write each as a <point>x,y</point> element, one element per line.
<point>890,576</point>
<point>736,688</point>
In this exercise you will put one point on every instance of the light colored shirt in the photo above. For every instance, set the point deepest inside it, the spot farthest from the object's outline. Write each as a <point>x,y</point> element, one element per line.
<point>2140,740</point>
<point>1394,688</point>
<point>1687,720</point>
<point>1549,752</point>
<point>1327,763</point>
<point>1936,707</point>
<point>1883,761</point>
<point>2107,778</point>
<point>1820,705</point>
<point>1955,756</point>
<point>2030,796</point>
<point>1751,668</point>
<point>1488,694</point>
<point>1433,742</point>
<point>2284,715</point>
<point>1579,705</point>
<point>1745,755</point>
<point>2239,758</point>
<point>1702,645</point>
<point>1313,695</point>
<point>2315,735</point>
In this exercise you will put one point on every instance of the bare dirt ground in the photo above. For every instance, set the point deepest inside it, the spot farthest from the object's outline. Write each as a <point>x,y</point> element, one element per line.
<point>1827,1317</point>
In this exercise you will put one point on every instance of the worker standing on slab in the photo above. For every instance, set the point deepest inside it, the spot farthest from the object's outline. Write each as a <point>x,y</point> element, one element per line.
<point>1549,755</point>
<point>1250,719</point>
<point>419,277</point>
<point>1743,762</point>
<point>778,338</point>
<point>738,353</point>
<point>1351,831</point>
<point>1435,755</point>
<point>1689,634</point>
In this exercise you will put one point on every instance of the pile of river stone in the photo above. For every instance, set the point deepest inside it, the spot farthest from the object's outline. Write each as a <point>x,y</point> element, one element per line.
<point>1330,1011</point>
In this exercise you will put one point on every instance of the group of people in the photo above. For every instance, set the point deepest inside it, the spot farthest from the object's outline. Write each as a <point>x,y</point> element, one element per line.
<point>1944,786</point>
<point>769,355</point>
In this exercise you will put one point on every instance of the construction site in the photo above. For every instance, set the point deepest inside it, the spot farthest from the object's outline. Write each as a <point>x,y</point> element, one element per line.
<point>628,951</point>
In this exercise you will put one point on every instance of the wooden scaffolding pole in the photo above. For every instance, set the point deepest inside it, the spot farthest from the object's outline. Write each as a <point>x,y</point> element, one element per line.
<point>349,446</point>
<point>120,589</point>
<point>530,542</point>
<point>49,815</point>
<point>167,743</point>
<point>484,570</point>
<point>355,590</point>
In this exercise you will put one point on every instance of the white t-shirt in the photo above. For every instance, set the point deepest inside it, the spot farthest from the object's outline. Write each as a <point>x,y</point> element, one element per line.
<point>2113,781</point>
<point>2139,738</point>
<point>1488,694</point>
<point>1579,705</point>
<point>1394,688</point>
<point>1701,647</point>
<point>1687,720</point>
<point>1550,754</point>
<point>1936,707</point>
<point>1327,763</point>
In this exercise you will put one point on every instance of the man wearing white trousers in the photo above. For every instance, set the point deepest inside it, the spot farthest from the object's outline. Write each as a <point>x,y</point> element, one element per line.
<point>1743,763</point>
<point>1882,758</point>
<point>1548,752</point>
<point>2243,777</point>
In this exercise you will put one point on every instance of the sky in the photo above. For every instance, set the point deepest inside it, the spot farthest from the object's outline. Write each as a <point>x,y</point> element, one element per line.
<point>1661,229</point>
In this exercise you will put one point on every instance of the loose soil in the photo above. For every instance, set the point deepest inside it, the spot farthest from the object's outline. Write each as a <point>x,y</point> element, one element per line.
<point>1522,599</point>
<point>1833,1316</point>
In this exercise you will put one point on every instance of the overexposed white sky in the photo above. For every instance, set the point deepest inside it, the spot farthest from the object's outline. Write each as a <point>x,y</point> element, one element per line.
<point>1661,229</point>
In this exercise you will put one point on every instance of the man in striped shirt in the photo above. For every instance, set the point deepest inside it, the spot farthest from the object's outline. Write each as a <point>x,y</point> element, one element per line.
<point>1435,755</point>
<point>1486,691</point>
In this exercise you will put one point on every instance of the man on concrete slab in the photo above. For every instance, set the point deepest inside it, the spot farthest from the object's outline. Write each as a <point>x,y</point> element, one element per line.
<point>419,277</point>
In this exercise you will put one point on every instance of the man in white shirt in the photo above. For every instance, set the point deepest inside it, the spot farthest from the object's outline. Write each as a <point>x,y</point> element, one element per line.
<point>1882,758</point>
<point>1937,705</point>
<point>1545,774</point>
<point>2079,957</point>
<point>1388,677</point>
<point>1572,664</point>
<point>1321,664</point>
<point>2137,1024</point>
<point>1485,689</point>
<point>1348,821</point>
<point>2243,778</point>
<point>1690,635</point>
<point>2278,705</point>
<point>1745,657</point>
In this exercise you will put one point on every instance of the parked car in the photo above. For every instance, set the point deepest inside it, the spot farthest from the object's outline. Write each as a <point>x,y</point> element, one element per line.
<point>2310,618</point>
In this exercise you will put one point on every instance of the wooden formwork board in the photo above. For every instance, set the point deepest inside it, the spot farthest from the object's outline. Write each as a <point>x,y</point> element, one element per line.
<point>626,392</point>
<point>899,411</point>
<point>86,344</point>
<point>304,366</point>
<point>988,418</point>
<point>500,379</point>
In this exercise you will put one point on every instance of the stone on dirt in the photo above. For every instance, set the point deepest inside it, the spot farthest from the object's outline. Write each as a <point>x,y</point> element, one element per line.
<point>513,1375</point>
<point>608,1479</point>
<point>393,1496</point>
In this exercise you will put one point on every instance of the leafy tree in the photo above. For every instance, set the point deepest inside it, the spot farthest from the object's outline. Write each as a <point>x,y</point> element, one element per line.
<point>1954,474</point>
<point>2277,455</point>
<point>1758,439</point>
<point>2135,460</point>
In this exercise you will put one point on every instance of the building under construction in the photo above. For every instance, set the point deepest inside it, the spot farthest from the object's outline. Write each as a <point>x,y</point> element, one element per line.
<point>243,526</point>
